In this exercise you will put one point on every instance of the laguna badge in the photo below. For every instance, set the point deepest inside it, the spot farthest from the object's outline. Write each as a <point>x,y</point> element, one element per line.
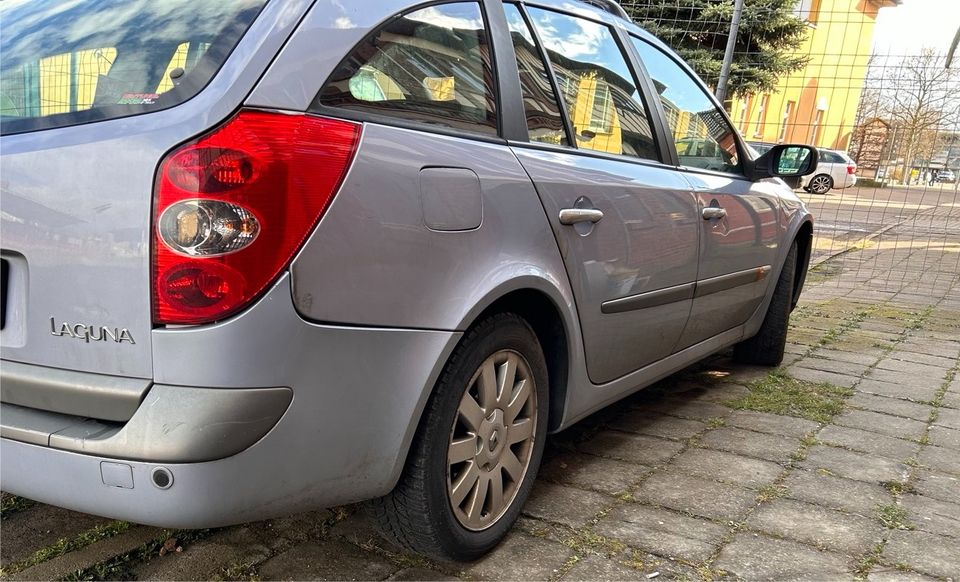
<point>91,333</point>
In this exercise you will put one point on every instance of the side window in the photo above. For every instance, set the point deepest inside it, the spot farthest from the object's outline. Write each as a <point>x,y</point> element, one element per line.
<point>703,137</point>
<point>601,98</point>
<point>431,65</point>
<point>544,120</point>
<point>831,158</point>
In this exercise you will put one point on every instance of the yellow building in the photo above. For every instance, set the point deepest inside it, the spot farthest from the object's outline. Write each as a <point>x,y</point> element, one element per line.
<point>817,105</point>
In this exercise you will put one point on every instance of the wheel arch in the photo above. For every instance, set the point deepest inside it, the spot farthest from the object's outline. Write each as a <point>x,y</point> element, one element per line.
<point>799,229</point>
<point>543,314</point>
<point>804,240</point>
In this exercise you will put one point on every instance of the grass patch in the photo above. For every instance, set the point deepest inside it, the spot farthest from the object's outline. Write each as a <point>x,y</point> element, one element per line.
<point>589,540</point>
<point>716,422</point>
<point>121,567</point>
<point>770,492</point>
<point>780,394</point>
<point>11,504</point>
<point>64,545</point>
<point>898,488</point>
<point>867,562</point>
<point>824,272</point>
<point>244,570</point>
<point>893,516</point>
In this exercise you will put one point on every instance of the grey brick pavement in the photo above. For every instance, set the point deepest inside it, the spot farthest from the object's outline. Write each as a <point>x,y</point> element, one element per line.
<point>672,481</point>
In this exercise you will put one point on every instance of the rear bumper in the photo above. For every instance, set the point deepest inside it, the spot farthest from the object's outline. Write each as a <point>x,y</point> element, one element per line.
<point>849,181</point>
<point>172,424</point>
<point>357,395</point>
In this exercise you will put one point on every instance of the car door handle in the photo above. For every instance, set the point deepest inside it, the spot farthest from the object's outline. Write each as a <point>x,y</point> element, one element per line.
<point>711,212</point>
<point>570,216</point>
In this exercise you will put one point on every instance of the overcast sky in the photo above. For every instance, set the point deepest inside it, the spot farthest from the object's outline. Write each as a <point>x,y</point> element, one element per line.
<point>915,24</point>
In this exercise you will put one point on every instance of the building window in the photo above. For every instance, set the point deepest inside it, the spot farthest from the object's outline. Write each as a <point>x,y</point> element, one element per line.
<point>744,122</point>
<point>600,117</point>
<point>762,115</point>
<point>815,128</point>
<point>785,122</point>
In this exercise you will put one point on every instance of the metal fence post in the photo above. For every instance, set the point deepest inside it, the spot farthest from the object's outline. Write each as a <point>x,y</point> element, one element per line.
<point>728,53</point>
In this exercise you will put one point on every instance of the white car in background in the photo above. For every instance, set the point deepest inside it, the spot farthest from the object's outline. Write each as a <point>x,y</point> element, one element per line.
<point>835,170</point>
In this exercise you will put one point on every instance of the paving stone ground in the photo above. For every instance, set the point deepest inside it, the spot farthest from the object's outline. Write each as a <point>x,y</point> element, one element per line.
<point>673,481</point>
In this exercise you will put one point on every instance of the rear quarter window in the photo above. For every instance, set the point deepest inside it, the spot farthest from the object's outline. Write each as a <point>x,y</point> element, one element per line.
<point>67,63</point>
<point>430,66</point>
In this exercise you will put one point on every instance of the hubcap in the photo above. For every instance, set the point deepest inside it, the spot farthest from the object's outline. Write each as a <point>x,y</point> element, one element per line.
<point>492,440</point>
<point>821,184</point>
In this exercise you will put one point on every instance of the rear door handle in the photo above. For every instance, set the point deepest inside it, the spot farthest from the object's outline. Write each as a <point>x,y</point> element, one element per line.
<point>570,216</point>
<point>711,212</point>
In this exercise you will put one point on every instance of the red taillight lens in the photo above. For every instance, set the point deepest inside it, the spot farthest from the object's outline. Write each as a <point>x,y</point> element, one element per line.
<point>851,169</point>
<point>232,208</point>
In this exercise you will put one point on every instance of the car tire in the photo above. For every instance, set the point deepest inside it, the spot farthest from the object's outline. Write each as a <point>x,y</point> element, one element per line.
<point>766,348</point>
<point>427,512</point>
<point>820,184</point>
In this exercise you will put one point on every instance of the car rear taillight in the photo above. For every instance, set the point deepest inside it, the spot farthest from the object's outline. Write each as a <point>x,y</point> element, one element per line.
<point>851,168</point>
<point>231,209</point>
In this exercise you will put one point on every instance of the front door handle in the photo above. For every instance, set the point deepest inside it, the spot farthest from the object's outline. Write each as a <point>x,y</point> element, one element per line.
<point>711,212</point>
<point>570,216</point>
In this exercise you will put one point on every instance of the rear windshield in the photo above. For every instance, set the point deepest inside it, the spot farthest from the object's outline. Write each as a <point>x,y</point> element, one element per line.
<point>67,63</point>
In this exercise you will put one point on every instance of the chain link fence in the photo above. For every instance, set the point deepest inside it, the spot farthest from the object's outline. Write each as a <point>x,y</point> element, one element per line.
<point>885,115</point>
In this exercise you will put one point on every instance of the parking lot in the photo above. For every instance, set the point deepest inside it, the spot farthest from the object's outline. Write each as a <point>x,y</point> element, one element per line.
<point>844,463</point>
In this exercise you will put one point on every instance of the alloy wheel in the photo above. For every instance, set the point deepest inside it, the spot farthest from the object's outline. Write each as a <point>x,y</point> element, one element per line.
<point>492,440</point>
<point>820,184</point>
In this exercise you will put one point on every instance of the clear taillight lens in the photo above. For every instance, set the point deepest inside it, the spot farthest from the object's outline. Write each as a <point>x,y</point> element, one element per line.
<point>232,208</point>
<point>199,228</point>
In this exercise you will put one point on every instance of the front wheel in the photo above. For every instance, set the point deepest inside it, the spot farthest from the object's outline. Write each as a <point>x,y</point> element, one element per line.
<point>477,450</point>
<point>766,348</point>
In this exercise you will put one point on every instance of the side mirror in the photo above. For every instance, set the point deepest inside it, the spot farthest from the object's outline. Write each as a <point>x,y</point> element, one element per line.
<point>785,161</point>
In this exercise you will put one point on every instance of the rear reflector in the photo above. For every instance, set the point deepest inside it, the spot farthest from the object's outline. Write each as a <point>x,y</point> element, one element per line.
<point>232,208</point>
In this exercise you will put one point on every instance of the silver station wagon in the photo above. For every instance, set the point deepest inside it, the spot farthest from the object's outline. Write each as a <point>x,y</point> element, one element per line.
<point>263,257</point>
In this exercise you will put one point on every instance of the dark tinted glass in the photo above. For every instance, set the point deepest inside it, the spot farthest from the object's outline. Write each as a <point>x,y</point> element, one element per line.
<point>601,99</point>
<point>702,135</point>
<point>66,63</point>
<point>544,121</point>
<point>431,65</point>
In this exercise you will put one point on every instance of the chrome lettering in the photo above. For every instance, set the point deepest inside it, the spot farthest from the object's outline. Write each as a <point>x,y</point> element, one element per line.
<point>88,333</point>
<point>85,334</point>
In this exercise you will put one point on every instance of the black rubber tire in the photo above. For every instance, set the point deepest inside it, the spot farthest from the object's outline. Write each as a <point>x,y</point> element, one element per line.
<point>417,514</point>
<point>830,182</point>
<point>766,348</point>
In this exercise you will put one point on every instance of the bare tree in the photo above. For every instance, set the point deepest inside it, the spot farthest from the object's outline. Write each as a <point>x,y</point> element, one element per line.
<point>920,98</point>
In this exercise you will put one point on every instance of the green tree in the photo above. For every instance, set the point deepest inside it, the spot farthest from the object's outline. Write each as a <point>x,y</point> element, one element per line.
<point>770,36</point>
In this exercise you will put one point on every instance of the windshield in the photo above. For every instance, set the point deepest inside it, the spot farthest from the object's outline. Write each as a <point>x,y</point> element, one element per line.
<point>66,63</point>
